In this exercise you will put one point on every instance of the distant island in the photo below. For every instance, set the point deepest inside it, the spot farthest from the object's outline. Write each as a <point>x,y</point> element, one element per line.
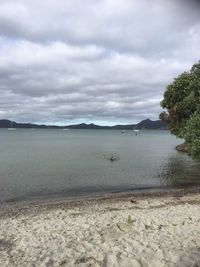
<point>145,124</point>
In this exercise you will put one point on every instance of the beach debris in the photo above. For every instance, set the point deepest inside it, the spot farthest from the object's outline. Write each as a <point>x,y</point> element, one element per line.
<point>130,221</point>
<point>120,227</point>
<point>133,201</point>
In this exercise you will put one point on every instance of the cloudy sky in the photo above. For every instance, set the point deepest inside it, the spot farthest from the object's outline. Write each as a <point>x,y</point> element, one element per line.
<point>100,61</point>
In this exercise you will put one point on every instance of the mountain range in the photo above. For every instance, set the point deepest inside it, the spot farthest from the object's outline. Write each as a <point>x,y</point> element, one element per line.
<point>145,124</point>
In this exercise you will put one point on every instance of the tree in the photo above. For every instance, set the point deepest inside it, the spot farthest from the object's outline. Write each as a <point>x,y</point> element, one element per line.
<point>192,135</point>
<point>182,102</point>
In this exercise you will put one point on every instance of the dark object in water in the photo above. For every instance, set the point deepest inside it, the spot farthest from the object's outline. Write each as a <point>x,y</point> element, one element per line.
<point>113,158</point>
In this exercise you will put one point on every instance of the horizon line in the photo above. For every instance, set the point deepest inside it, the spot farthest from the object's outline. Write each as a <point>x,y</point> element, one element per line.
<point>90,123</point>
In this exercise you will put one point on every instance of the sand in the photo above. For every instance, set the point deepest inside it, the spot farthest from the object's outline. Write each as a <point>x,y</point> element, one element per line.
<point>150,231</point>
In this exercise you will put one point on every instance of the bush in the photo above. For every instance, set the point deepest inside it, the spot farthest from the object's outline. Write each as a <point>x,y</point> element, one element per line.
<point>192,135</point>
<point>182,104</point>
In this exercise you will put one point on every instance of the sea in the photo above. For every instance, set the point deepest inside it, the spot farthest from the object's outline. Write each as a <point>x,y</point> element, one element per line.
<point>51,163</point>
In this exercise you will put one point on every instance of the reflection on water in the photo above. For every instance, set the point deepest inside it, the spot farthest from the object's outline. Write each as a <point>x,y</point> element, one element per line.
<point>79,162</point>
<point>180,170</point>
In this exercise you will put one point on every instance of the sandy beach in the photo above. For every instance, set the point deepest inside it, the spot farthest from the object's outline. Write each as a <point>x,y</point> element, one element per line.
<point>132,231</point>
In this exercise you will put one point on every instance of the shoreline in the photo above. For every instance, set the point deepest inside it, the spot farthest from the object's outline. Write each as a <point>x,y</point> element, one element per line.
<point>8,208</point>
<point>147,230</point>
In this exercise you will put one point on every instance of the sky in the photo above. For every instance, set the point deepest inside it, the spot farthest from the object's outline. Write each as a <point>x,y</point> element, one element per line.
<point>104,61</point>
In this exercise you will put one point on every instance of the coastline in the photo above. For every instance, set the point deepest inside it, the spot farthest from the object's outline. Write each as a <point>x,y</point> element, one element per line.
<point>148,229</point>
<point>10,207</point>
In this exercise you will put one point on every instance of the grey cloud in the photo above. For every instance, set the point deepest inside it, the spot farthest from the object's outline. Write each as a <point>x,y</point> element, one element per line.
<point>108,61</point>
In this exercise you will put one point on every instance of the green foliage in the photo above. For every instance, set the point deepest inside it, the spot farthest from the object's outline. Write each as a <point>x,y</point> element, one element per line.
<point>192,135</point>
<point>130,221</point>
<point>182,102</point>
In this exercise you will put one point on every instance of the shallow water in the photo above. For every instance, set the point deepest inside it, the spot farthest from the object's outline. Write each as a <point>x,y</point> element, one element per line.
<point>35,163</point>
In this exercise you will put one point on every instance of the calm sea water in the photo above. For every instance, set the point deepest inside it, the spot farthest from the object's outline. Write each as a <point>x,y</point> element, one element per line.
<point>47,163</point>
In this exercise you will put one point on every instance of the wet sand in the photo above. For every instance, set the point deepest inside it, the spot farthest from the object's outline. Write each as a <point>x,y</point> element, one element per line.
<point>151,230</point>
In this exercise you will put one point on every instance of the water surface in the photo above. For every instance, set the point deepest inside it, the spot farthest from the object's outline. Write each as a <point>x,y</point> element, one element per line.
<point>35,163</point>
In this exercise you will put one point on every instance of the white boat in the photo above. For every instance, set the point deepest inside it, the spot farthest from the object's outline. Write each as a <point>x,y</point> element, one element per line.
<point>123,131</point>
<point>136,132</point>
<point>11,128</point>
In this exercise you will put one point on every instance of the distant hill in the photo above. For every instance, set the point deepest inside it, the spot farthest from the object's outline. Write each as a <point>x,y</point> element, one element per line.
<point>7,124</point>
<point>145,124</point>
<point>84,126</point>
<point>149,124</point>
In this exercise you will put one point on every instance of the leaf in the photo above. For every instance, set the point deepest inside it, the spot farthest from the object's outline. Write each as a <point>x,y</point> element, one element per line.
<point>130,221</point>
